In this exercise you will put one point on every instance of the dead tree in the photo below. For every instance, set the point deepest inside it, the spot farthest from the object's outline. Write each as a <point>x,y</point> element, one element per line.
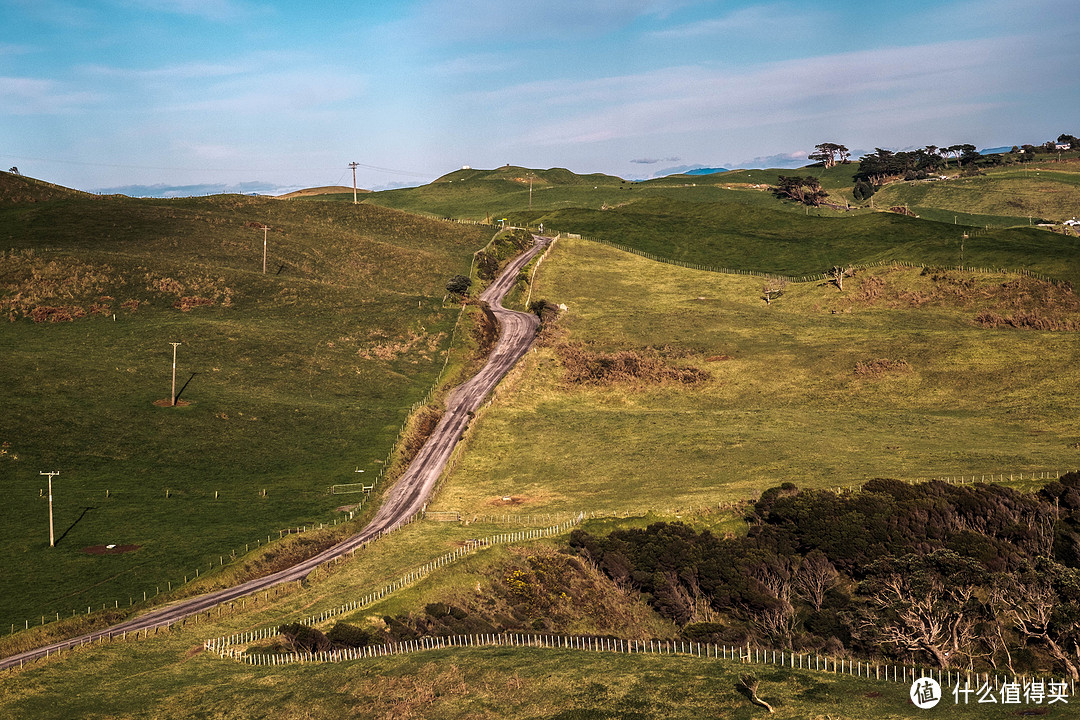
<point>772,289</point>
<point>1030,606</point>
<point>838,273</point>
<point>815,577</point>
<point>748,686</point>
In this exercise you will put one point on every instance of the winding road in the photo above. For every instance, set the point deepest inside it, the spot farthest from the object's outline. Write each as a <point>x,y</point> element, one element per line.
<point>406,497</point>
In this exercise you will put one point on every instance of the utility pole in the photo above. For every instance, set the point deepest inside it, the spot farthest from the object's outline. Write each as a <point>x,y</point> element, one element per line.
<point>530,190</point>
<point>354,165</point>
<point>52,543</point>
<point>174,373</point>
<point>265,229</point>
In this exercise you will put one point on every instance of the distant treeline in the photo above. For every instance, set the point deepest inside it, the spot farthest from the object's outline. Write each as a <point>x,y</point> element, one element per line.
<point>976,576</point>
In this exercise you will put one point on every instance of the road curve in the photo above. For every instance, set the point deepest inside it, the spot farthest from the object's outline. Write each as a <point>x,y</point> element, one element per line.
<point>402,502</point>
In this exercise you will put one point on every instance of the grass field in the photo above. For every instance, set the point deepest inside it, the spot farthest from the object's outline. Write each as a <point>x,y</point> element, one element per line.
<point>294,379</point>
<point>169,675</point>
<point>892,377</point>
<point>1004,196</point>
<point>786,400</point>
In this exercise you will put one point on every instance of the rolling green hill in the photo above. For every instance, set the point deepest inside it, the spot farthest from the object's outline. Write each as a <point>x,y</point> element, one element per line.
<point>289,381</point>
<point>737,236</point>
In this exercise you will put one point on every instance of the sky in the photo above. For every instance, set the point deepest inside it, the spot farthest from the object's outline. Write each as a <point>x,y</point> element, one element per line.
<point>189,96</point>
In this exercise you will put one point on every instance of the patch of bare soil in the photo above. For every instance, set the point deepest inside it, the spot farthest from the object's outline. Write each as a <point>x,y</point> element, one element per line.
<point>584,366</point>
<point>110,549</point>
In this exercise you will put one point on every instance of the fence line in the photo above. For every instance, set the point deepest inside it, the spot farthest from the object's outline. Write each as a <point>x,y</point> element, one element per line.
<point>813,277</point>
<point>542,519</point>
<point>410,577</point>
<point>1058,689</point>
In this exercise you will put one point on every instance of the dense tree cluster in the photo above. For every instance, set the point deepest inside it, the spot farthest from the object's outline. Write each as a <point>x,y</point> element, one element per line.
<point>884,165</point>
<point>806,190</point>
<point>963,576</point>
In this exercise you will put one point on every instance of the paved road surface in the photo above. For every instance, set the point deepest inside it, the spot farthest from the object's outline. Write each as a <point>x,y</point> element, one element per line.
<point>406,497</point>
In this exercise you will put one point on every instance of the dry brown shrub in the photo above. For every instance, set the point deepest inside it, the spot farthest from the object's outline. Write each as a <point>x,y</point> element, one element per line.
<point>130,305</point>
<point>192,301</point>
<point>881,366</point>
<point>636,367</point>
<point>166,285</point>
<point>61,313</point>
<point>1027,320</point>
<point>99,309</point>
<point>427,417</point>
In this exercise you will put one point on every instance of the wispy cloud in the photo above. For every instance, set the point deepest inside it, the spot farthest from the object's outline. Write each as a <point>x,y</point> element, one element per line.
<point>217,10</point>
<point>38,96</point>
<point>463,20</point>
<point>775,20</point>
<point>653,161</point>
<point>869,92</point>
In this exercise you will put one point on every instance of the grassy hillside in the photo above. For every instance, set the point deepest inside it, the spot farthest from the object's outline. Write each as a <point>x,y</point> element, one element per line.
<point>1004,197</point>
<point>289,381</point>
<point>169,675</point>
<point>1014,196</point>
<point>755,238</point>
<point>893,377</point>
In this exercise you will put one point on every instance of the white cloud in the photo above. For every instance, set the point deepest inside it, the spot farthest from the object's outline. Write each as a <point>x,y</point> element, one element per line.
<point>869,93</point>
<point>774,20</point>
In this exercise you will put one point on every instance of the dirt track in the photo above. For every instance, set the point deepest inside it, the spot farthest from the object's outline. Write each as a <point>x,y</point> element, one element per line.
<point>403,501</point>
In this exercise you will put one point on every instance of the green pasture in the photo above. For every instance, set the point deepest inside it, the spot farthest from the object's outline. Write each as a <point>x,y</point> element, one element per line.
<point>742,237</point>
<point>1006,196</point>
<point>294,380</point>
<point>169,675</point>
<point>785,401</point>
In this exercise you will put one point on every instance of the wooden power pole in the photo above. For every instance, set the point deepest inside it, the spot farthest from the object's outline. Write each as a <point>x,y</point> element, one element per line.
<point>173,403</point>
<point>354,165</point>
<point>52,542</point>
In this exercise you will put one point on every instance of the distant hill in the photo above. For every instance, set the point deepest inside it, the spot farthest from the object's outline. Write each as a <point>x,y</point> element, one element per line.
<point>521,176</point>
<point>326,190</point>
<point>705,171</point>
<point>21,189</point>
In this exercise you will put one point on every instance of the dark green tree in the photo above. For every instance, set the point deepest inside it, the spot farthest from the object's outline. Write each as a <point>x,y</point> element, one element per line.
<point>459,285</point>
<point>806,190</point>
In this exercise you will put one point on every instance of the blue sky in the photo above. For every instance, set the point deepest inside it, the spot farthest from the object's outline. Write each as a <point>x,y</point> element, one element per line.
<point>216,93</point>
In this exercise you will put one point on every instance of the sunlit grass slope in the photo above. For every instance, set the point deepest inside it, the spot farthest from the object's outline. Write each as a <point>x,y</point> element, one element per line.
<point>892,377</point>
<point>295,378</point>
<point>170,676</point>
<point>1013,195</point>
<point>752,238</point>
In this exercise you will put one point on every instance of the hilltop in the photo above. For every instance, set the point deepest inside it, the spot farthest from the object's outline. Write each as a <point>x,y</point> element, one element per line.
<point>317,191</point>
<point>15,188</point>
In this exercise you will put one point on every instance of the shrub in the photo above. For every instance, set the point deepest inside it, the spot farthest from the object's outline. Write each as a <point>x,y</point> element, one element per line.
<point>345,635</point>
<point>459,285</point>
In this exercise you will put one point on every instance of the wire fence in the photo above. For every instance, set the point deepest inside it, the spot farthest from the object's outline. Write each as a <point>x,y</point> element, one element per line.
<point>411,577</point>
<point>813,277</point>
<point>1053,689</point>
